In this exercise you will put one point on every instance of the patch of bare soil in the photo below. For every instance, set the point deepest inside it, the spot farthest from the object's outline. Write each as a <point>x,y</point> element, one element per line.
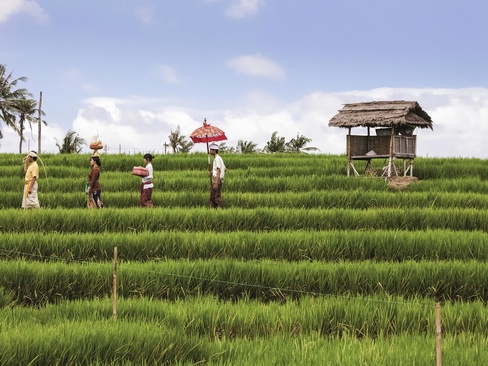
<point>401,183</point>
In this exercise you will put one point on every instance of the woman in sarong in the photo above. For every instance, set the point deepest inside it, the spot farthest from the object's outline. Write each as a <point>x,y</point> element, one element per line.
<point>147,183</point>
<point>94,189</point>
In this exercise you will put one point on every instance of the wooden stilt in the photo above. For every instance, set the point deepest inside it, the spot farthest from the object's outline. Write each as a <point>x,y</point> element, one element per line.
<point>348,150</point>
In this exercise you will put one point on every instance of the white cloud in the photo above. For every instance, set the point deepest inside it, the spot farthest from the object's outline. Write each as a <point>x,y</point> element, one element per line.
<point>168,74</point>
<point>108,105</point>
<point>459,119</point>
<point>12,7</point>
<point>131,125</point>
<point>257,65</point>
<point>137,124</point>
<point>49,134</point>
<point>242,8</point>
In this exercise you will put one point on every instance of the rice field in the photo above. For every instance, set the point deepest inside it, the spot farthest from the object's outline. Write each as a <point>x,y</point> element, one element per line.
<point>304,265</point>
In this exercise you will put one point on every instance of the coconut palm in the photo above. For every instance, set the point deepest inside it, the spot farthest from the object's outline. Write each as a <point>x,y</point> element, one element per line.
<point>26,110</point>
<point>72,143</point>
<point>298,145</point>
<point>246,147</point>
<point>226,149</point>
<point>276,144</point>
<point>9,93</point>
<point>178,142</point>
<point>185,146</point>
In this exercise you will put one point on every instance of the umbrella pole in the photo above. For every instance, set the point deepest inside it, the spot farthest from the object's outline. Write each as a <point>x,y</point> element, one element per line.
<point>208,157</point>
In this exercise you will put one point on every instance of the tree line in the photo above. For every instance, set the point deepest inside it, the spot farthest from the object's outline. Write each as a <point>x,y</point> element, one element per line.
<point>178,143</point>
<point>276,144</point>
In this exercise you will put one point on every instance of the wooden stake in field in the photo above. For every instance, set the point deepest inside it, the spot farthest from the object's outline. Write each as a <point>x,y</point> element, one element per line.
<point>438,334</point>
<point>114,300</point>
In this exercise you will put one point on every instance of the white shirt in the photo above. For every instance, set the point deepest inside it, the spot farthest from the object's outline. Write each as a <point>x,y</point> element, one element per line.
<point>149,178</point>
<point>218,163</point>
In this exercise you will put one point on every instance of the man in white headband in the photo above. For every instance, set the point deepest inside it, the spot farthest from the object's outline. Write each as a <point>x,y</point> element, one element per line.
<point>31,170</point>
<point>217,174</point>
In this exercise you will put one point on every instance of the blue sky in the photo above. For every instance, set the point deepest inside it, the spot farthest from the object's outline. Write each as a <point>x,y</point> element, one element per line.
<point>132,71</point>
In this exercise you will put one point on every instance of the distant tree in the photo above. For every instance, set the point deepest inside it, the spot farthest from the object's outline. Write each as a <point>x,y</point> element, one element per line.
<point>186,146</point>
<point>9,93</point>
<point>27,111</point>
<point>224,148</point>
<point>298,145</point>
<point>246,147</point>
<point>178,142</point>
<point>72,143</point>
<point>276,144</point>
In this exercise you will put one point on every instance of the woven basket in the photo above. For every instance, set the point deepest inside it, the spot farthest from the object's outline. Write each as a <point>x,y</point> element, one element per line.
<point>140,171</point>
<point>96,146</point>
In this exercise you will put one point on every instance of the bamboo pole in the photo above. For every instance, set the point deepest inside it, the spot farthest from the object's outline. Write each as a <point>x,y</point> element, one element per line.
<point>390,153</point>
<point>438,334</point>
<point>39,125</point>
<point>348,149</point>
<point>209,168</point>
<point>114,301</point>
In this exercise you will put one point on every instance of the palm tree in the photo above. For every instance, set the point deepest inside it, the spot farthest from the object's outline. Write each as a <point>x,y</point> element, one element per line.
<point>9,93</point>
<point>186,146</point>
<point>246,147</point>
<point>224,148</point>
<point>26,109</point>
<point>178,142</point>
<point>298,145</point>
<point>72,143</point>
<point>276,144</point>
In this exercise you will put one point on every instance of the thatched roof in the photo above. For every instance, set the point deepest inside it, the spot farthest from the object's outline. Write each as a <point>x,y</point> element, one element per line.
<point>382,114</point>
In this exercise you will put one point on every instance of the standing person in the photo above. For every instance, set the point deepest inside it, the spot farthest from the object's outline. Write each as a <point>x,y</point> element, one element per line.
<point>94,189</point>
<point>31,170</point>
<point>147,183</point>
<point>217,174</point>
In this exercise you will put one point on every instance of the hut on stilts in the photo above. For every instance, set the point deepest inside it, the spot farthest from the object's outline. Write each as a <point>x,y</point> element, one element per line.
<point>394,123</point>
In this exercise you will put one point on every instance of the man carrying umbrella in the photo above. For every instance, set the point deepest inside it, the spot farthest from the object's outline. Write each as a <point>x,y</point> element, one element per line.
<point>217,178</point>
<point>208,133</point>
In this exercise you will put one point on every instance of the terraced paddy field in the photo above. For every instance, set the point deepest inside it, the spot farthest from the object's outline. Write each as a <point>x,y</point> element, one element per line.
<point>304,266</point>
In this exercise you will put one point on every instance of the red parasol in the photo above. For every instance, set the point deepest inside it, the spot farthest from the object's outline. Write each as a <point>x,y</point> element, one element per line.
<point>207,133</point>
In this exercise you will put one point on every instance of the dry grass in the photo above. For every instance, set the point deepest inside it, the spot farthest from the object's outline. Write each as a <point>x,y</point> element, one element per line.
<point>401,183</point>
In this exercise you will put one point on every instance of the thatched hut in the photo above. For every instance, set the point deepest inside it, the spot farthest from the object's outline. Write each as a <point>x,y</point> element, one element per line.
<point>394,122</point>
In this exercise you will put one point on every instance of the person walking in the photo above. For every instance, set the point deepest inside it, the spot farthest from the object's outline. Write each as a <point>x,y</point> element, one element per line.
<point>31,170</point>
<point>94,189</point>
<point>147,183</point>
<point>217,174</point>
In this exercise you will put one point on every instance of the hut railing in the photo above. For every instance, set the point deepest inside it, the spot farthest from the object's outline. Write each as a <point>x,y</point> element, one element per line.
<point>370,147</point>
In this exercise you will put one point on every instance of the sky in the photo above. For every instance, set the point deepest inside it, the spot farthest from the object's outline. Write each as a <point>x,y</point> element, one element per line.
<point>133,71</point>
